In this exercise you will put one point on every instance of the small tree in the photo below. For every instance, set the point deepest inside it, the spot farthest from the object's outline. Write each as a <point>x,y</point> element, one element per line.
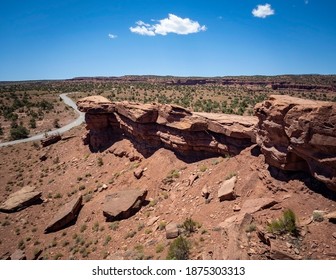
<point>179,249</point>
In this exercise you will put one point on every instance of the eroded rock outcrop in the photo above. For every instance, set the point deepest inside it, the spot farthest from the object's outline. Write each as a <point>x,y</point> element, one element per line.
<point>297,134</point>
<point>294,134</point>
<point>153,126</point>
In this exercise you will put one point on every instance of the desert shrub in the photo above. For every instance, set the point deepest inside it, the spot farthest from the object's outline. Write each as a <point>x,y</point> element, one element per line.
<point>58,195</point>
<point>203,168</point>
<point>159,248</point>
<point>162,225</point>
<point>21,245</point>
<point>100,161</point>
<point>317,216</point>
<point>58,256</point>
<point>189,225</point>
<point>232,174</point>
<point>95,227</point>
<point>130,234</point>
<point>108,238</point>
<point>173,174</point>
<point>141,226</point>
<point>83,228</point>
<point>285,224</point>
<point>152,203</point>
<point>114,225</point>
<point>32,123</point>
<point>179,249</point>
<point>18,132</point>
<point>148,231</point>
<point>251,227</point>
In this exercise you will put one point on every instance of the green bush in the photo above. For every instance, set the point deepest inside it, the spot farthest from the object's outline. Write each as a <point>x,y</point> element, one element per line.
<point>179,249</point>
<point>285,224</point>
<point>19,132</point>
<point>32,123</point>
<point>189,225</point>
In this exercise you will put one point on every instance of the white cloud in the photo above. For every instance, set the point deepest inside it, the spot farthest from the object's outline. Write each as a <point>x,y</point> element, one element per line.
<point>111,36</point>
<point>140,22</point>
<point>263,11</point>
<point>172,24</point>
<point>142,30</point>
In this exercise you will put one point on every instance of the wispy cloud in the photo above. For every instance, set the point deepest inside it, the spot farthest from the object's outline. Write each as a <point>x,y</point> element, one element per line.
<point>306,2</point>
<point>263,11</point>
<point>171,24</point>
<point>112,36</point>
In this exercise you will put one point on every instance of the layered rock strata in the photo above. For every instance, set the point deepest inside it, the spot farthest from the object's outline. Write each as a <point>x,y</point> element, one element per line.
<point>296,134</point>
<point>153,126</point>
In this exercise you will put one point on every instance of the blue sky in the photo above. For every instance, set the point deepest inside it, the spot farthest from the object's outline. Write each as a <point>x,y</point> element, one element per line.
<point>64,39</point>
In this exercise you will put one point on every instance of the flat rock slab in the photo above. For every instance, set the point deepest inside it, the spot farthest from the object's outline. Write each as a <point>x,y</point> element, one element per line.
<point>20,199</point>
<point>226,189</point>
<point>67,214</point>
<point>254,205</point>
<point>18,255</point>
<point>123,204</point>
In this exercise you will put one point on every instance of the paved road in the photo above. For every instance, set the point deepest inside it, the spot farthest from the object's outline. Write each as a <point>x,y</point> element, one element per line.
<point>68,101</point>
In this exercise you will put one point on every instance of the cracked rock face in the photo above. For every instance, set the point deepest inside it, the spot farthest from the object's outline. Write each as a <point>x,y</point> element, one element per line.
<point>154,126</point>
<point>296,134</point>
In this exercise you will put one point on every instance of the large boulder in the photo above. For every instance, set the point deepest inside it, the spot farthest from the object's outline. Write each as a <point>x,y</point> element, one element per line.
<point>299,135</point>
<point>172,231</point>
<point>226,189</point>
<point>123,204</point>
<point>21,199</point>
<point>66,214</point>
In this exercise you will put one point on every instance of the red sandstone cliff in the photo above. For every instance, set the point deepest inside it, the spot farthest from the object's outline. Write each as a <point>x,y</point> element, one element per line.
<point>293,134</point>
